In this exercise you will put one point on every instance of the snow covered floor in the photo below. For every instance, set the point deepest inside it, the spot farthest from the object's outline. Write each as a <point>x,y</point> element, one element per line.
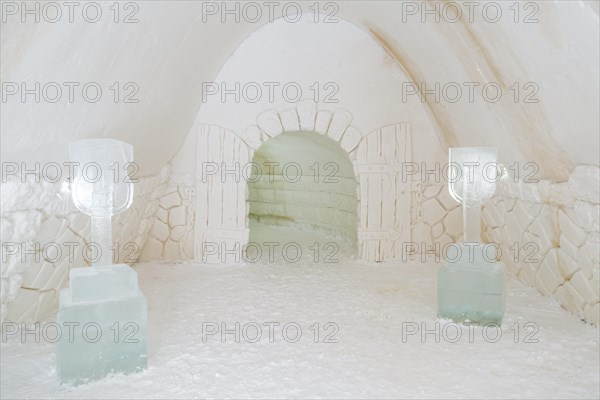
<point>369,307</point>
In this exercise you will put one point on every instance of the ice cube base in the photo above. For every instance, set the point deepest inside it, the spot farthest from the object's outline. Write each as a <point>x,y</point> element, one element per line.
<point>102,336</point>
<point>472,293</point>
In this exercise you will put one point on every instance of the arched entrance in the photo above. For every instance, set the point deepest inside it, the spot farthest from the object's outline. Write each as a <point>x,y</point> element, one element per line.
<point>303,194</point>
<point>223,200</point>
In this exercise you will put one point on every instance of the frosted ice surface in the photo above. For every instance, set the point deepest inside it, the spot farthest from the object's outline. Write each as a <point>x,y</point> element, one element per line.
<point>89,284</point>
<point>106,196</point>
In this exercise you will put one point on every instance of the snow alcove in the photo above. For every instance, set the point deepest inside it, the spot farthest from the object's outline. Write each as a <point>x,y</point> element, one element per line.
<point>291,207</point>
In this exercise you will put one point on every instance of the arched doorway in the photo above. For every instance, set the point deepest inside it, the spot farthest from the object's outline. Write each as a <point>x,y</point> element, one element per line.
<point>222,217</point>
<point>302,197</point>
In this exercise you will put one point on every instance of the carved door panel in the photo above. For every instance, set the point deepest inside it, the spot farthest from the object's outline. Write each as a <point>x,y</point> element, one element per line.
<point>221,209</point>
<point>384,194</point>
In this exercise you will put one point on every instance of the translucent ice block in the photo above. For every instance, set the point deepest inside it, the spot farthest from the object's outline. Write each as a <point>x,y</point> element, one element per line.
<point>114,281</point>
<point>466,253</point>
<point>472,292</point>
<point>103,320</point>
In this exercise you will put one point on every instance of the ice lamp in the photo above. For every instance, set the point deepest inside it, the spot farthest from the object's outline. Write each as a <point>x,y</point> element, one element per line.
<point>102,314</point>
<point>471,283</point>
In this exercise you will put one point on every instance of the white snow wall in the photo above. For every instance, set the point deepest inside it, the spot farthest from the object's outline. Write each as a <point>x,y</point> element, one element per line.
<point>171,51</point>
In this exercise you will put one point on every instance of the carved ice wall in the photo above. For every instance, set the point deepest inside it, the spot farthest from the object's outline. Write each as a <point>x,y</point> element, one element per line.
<point>436,219</point>
<point>51,236</point>
<point>549,237</point>
<point>172,235</point>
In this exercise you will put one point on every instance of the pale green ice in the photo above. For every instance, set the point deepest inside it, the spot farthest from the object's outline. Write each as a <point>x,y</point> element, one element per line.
<point>471,288</point>
<point>103,319</point>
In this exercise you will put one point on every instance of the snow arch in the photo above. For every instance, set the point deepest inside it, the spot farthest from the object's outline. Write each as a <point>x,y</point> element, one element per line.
<point>222,206</point>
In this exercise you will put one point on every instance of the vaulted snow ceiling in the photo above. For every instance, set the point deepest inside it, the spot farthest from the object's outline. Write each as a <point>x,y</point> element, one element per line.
<point>172,50</point>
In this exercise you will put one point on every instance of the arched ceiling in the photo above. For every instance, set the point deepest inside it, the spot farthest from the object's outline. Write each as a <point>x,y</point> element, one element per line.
<point>175,47</point>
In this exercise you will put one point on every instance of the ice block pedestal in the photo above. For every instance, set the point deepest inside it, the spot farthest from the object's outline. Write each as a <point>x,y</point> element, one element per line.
<point>471,286</point>
<point>103,318</point>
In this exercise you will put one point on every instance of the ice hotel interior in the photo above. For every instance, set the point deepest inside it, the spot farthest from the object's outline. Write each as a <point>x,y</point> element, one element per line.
<point>300,199</point>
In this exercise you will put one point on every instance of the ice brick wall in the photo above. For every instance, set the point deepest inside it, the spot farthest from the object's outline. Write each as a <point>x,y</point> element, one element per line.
<point>308,202</point>
<point>172,235</point>
<point>436,221</point>
<point>549,237</point>
<point>44,236</point>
